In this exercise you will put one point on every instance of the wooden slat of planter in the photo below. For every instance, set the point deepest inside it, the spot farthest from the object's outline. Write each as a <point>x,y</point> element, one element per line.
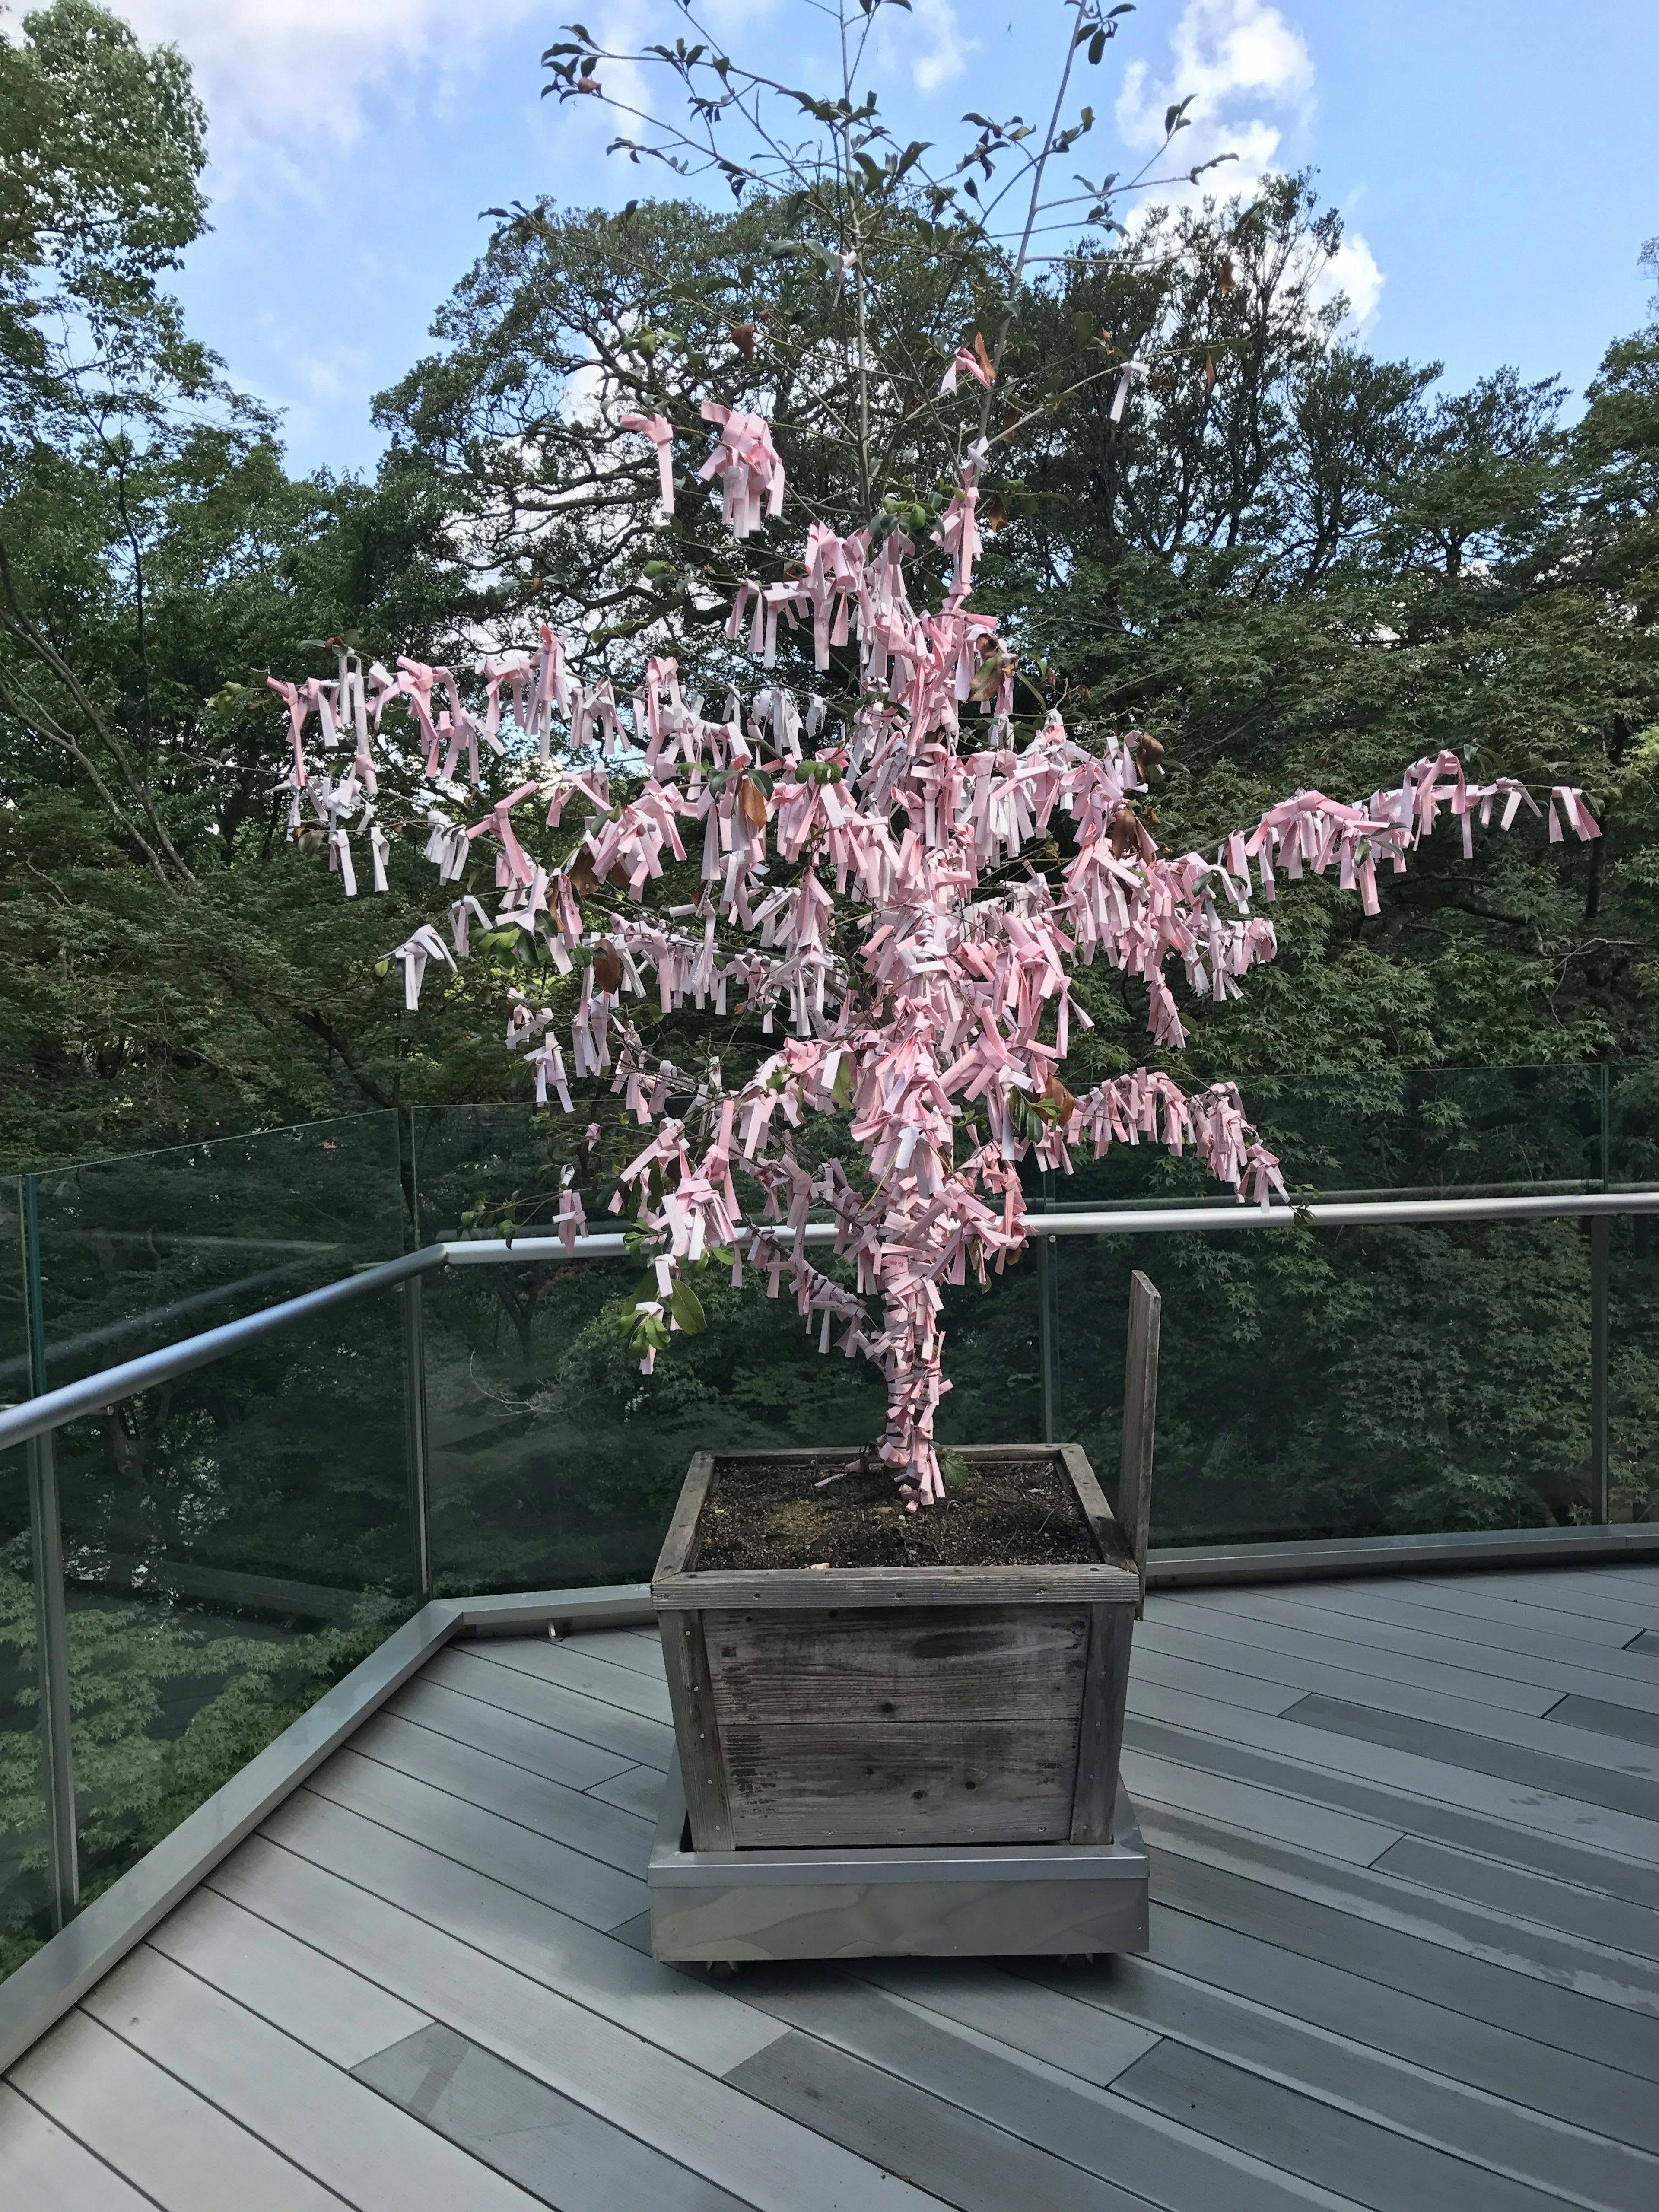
<point>877,1668</point>
<point>1114,1545</point>
<point>841,1782</point>
<point>696,1730</point>
<point>804,1589</point>
<point>1100,1738</point>
<point>675,1554</point>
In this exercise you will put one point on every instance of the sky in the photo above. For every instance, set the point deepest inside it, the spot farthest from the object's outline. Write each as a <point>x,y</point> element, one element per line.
<point>1494,160</point>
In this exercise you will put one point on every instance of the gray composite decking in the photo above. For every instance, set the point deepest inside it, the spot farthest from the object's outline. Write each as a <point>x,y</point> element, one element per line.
<point>1404,1954</point>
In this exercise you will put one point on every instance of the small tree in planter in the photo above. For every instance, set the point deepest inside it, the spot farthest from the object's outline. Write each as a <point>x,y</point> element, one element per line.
<point>891,886</point>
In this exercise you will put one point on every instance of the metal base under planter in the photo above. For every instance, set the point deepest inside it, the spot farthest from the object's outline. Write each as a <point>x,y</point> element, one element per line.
<point>987,1900</point>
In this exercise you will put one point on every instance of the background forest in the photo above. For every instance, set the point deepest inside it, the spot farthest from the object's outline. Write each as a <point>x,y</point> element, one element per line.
<point>1293,562</point>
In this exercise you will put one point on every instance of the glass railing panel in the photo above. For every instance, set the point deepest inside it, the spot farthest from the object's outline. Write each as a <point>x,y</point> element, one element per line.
<point>1633,1367</point>
<point>138,1252</point>
<point>1633,1127</point>
<point>24,1889</point>
<point>1353,1382</point>
<point>552,1461</point>
<point>14,1306</point>
<point>234,1542</point>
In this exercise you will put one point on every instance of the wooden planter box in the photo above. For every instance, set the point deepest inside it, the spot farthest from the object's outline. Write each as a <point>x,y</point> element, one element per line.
<point>914,1706</point>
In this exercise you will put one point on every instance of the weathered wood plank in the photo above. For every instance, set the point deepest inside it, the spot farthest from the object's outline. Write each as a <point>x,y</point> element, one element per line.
<point>1191,1731</point>
<point>1466,1639</point>
<point>704,1754</point>
<point>1555,1956</point>
<point>530,1744</point>
<point>1100,1728</point>
<point>1006,2008</point>
<point>1490,1834</point>
<point>578,1883</point>
<point>371,2155</point>
<point>46,2170</point>
<point>600,1680</point>
<point>1340,2001</point>
<point>1612,1922</point>
<point>1077,2139</point>
<point>636,1790</point>
<point>332,2011</point>
<point>1256,1649</point>
<point>1567,2020</point>
<point>1437,2106</point>
<point>1289,1624</point>
<point>500,2114</point>
<point>768,1589</point>
<point>1596,1781</point>
<point>681,2109</point>
<point>989,1662</point>
<point>961,2158</point>
<point>1249,1808</point>
<point>493,1785</point>
<point>176,2147</point>
<point>1313,2140</point>
<point>676,1555</point>
<point>318,1885</point>
<point>643,1653</point>
<point>648,1741</point>
<point>840,1783</point>
<point>1114,1545</point>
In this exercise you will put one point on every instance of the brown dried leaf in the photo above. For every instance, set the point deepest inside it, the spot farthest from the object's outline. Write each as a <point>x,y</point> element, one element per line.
<point>1060,1099</point>
<point>984,359</point>
<point>1225,279</point>
<point>1209,371</point>
<point>607,968</point>
<point>751,803</point>
<point>1129,840</point>
<point>743,337</point>
<point>583,881</point>
<point>993,514</point>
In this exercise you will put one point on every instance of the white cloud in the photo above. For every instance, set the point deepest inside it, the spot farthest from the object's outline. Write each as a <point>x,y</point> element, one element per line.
<point>945,53</point>
<point>1227,54</point>
<point>1353,271</point>
<point>1247,73</point>
<point>281,77</point>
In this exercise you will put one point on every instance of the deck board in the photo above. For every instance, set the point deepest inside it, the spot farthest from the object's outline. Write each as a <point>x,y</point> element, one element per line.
<point>1404,1953</point>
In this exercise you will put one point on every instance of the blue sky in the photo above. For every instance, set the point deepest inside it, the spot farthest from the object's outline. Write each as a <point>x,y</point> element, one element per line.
<point>1495,159</point>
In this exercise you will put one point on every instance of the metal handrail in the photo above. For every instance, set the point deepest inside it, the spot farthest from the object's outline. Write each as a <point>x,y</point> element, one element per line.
<point>1141,1221</point>
<point>94,1392</point>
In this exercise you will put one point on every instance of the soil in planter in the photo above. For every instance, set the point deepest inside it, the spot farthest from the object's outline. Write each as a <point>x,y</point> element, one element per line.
<point>997,1513</point>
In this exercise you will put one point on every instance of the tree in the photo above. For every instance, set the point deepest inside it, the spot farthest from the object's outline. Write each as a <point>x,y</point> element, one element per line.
<point>931,972</point>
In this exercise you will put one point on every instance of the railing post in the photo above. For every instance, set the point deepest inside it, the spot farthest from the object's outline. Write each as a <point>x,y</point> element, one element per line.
<point>1046,1293</point>
<point>415,1419</point>
<point>50,1615</point>
<point>1600,1236</point>
<point>1600,1456</point>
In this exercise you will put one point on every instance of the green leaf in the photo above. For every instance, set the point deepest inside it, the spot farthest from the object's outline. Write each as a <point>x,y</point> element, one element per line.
<point>687,1308</point>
